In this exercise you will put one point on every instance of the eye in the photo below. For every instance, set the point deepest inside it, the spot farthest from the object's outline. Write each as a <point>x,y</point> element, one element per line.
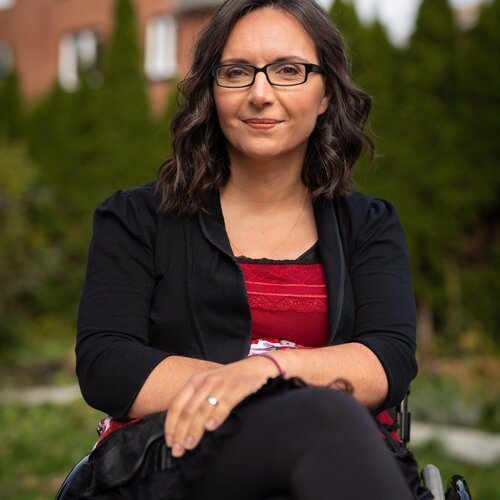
<point>288,69</point>
<point>235,73</point>
<point>287,72</point>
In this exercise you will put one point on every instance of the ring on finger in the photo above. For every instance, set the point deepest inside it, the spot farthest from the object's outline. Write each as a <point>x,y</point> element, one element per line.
<point>212,400</point>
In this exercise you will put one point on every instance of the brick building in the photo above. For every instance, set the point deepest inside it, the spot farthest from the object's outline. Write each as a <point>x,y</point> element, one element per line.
<point>47,40</point>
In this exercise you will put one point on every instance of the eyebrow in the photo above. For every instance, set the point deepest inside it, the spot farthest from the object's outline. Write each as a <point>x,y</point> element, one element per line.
<point>239,60</point>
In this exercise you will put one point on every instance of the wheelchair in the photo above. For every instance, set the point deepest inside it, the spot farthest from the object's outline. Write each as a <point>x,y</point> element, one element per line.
<point>456,489</point>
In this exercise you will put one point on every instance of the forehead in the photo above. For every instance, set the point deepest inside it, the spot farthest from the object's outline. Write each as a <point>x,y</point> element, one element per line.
<point>268,34</point>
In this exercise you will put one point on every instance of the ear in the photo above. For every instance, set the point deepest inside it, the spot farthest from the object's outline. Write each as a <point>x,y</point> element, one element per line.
<point>325,101</point>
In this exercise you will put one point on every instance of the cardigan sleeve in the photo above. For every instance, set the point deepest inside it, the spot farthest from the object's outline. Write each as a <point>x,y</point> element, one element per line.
<point>113,358</point>
<point>385,315</point>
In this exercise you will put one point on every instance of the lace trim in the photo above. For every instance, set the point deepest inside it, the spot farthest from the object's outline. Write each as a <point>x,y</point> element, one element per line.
<point>279,288</point>
<point>283,302</point>
<point>297,274</point>
<point>310,256</point>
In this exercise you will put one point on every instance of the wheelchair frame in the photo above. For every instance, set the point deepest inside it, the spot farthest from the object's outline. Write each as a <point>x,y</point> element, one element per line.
<point>430,475</point>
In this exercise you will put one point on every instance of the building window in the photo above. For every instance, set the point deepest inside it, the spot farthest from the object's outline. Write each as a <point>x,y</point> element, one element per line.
<point>77,52</point>
<point>161,48</point>
<point>6,4</point>
<point>6,60</point>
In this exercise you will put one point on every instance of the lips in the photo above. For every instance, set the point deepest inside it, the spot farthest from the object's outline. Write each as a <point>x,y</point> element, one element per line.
<point>262,123</point>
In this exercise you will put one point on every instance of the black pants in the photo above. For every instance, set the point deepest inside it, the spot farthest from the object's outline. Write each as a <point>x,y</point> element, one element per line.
<point>286,442</point>
<point>308,444</point>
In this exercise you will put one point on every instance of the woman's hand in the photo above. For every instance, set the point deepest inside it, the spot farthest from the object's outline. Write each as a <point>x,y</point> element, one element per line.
<point>191,413</point>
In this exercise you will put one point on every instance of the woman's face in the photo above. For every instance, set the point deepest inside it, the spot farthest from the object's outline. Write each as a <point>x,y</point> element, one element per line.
<point>265,121</point>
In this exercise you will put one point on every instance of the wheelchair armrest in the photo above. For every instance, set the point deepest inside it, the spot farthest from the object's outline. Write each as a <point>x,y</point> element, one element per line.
<point>403,419</point>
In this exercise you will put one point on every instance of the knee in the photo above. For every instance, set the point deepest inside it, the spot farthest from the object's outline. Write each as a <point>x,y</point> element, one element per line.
<point>327,409</point>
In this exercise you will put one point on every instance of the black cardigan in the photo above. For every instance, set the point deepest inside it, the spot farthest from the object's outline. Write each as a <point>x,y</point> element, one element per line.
<point>168,284</point>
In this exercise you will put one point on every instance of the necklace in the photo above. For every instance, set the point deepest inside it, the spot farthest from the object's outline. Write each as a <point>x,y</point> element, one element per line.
<point>274,250</point>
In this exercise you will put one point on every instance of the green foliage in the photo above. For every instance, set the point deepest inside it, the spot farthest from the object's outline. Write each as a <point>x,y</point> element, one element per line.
<point>343,14</point>
<point>427,130</point>
<point>479,114</point>
<point>26,259</point>
<point>479,151</point>
<point>10,106</point>
<point>124,135</point>
<point>481,281</point>
<point>161,136</point>
<point>123,57</point>
<point>60,132</point>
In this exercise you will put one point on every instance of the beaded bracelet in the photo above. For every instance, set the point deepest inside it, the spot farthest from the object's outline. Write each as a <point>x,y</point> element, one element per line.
<point>278,366</point>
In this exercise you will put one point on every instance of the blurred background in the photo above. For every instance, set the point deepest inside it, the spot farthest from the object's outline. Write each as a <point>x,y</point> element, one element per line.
<point>87,92</point>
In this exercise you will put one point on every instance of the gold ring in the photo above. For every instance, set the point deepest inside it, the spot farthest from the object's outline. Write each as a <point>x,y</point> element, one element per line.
<point>211,400</point>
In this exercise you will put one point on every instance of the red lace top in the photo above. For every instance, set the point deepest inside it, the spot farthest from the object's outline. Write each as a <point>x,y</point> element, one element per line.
<point>288,303</point>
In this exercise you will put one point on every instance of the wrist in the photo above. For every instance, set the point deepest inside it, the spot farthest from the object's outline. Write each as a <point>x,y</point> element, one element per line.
<point>271,359</point>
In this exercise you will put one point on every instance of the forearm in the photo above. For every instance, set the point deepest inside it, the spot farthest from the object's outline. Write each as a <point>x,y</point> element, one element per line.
<point>164,382</point>
<point>353,362</point>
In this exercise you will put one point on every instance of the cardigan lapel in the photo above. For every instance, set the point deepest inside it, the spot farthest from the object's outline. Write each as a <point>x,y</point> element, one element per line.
<point>333,260</point>
<point>212,225</point>
<point>214,231</point>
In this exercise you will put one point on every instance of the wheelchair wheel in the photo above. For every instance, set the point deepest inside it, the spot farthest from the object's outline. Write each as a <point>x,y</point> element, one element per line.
<point>458,489</point>
<point>432,480</point>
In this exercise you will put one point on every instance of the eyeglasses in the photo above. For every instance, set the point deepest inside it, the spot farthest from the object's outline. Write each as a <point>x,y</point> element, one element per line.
<point>283,74</point>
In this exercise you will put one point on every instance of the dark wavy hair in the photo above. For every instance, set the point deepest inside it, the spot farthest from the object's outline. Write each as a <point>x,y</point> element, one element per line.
<point>200,165</point>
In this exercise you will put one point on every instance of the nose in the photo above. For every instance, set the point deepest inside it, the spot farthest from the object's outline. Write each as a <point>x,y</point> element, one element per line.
<point>261,92</point>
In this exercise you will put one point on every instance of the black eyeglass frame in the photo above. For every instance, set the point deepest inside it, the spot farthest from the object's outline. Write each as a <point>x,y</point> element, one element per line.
<point>309,67</point>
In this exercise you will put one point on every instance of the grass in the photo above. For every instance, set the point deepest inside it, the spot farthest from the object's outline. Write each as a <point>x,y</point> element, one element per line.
<point>40,444</point>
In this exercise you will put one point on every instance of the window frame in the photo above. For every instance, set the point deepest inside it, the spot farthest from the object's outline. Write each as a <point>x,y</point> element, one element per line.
<point>77,50</point>
<point>160,51</point>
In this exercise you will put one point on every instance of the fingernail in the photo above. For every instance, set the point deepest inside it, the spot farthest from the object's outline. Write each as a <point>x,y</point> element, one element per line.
<point>177,450</point>
<point>211,424</point>
<point>189,442</point>
<point>169,440</point>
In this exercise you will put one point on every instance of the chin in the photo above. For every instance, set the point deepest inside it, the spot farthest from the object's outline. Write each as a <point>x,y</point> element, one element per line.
<point>262,152</point>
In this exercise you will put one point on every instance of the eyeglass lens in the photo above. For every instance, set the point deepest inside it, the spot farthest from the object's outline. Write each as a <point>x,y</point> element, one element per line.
<point>279,74</point>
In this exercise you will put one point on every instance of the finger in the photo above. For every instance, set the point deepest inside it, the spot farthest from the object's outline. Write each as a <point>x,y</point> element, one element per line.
<point>209,418</point>
<point>221,412</point>
<point>185,407</point>
<point>174,412</point>
<point>199,422</point>
<point>190,423</point>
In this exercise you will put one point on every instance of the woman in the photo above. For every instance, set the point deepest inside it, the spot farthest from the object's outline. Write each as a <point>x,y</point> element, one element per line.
<point>250,242</point>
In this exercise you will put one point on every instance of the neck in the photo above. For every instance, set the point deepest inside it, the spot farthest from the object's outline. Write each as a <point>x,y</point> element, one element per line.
<point>266,182</point>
